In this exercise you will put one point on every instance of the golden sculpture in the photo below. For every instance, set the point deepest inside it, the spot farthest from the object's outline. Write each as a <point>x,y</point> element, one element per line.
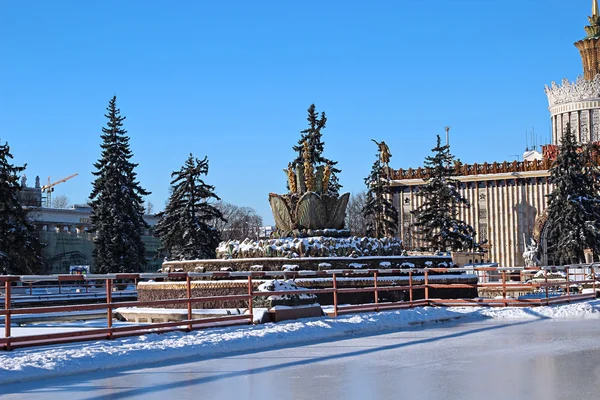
<point>384,152</point>
<point>291,176</point>
<point>309,172</point>
<point>326,177</point>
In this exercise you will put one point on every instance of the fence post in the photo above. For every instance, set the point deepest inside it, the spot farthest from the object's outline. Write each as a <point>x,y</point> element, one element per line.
<point>335,299</point>
<point>376,292</point>
<point>546,284</point>
<point>568,285</point>
<point>7,295</point>
<point>109,315</point>
<point>426,284</point>
<point>250,289</point>
<point>593,279</point>
<point>188,287</point>
<point>410,287</point>
<point>504,287</point>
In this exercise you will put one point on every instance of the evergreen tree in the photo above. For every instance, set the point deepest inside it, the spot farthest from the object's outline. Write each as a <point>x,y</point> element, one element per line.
<point>436,218</point>
<point>379,211</point>
<point>313,136</point>
<point>183,226</point>
<point>19,244</point>
<point>117,202</point>
<point>573,205</point>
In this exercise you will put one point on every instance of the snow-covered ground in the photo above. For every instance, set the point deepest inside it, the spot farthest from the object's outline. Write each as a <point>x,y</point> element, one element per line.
<point>52,361</point>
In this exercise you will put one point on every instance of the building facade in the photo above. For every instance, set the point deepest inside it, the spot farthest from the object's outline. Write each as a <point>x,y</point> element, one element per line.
<point>506,199</point>
<point>66,238</point>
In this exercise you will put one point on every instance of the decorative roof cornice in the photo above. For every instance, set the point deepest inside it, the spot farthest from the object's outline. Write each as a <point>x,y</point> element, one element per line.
<point>568,92</point>
<point>478,178</point>
<point>494,170</point>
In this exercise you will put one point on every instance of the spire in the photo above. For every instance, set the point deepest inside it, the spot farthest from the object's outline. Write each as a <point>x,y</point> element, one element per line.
<point>589,47</point>
<point>593,29</point>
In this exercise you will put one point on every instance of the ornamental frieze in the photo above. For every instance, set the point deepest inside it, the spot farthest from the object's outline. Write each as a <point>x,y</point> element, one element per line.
<point>568,92</point>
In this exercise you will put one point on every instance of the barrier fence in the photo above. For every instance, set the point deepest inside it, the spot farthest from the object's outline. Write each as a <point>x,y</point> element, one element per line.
<point>550,285</point>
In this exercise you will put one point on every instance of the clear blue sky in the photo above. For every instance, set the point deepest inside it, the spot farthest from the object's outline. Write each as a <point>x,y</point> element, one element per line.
<point>232,81</point>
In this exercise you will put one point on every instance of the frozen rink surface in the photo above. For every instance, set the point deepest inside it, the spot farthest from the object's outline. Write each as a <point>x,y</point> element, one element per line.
<point>484,359</point>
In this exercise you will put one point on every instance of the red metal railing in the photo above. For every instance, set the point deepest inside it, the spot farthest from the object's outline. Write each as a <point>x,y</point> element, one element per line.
<point>422,280</point>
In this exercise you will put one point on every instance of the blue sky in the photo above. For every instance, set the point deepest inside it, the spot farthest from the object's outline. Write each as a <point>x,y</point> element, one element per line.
<point>232,81</point>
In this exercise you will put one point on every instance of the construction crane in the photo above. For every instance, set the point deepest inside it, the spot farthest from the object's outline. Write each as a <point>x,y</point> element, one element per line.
<point>49,188</point>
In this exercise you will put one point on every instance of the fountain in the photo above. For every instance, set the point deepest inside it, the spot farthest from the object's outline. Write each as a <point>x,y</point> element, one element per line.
<point>308,209</point>
<point>309,236</point>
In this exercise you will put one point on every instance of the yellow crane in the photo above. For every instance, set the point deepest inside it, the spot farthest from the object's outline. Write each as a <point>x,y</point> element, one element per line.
<point>49,188</point>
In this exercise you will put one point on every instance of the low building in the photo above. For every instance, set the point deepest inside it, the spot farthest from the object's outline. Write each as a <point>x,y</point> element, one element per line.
<point>65,235</point>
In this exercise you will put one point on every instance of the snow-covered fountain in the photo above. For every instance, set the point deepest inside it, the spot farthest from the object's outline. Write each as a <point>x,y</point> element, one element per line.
<point>310,236</point>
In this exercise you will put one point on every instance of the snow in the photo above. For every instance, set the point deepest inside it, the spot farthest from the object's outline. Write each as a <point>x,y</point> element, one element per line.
<point>182,311</point>
<point>58,360</point>
<point>284,286</point>
<point>290,267</point>
<point>356,265</point>
<point>315,246</point>
<point>551,275</point>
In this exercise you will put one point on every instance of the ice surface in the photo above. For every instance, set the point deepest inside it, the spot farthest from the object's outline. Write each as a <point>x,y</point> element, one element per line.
<point>52,361</point>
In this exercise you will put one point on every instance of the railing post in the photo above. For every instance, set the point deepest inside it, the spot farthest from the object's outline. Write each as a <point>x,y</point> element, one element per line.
<point>546,284</point>
<point>410,287</point>
<point>335,299</point>
<point>568,285</point>
<point>504,287</point>
<point>250,290</point>
<point>376,292</point>
<point>109,310</point>
<point>426,284</point>
<point>188,287</point>
<point>7,302</point>
<point>593,279</point>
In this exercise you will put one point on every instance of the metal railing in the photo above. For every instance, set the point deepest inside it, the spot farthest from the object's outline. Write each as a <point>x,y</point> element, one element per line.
<point>415,286</point>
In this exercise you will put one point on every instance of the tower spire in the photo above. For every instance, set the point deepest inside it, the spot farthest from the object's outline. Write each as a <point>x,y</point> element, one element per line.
<point>589,47</point>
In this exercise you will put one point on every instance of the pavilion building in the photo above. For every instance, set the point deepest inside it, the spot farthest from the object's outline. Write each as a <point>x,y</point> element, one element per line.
<point>507,198</point>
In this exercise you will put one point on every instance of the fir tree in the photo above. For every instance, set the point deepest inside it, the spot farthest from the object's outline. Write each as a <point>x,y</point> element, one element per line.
<point>436,218</point>
<point>573,205</point>
<point>379,212</point>
<point>117,202</point>
<point>19,244</point>
<point>313,136</point>
<point>183,226</point>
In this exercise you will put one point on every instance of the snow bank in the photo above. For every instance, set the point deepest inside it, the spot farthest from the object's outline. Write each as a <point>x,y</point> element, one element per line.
<point>52,361</point>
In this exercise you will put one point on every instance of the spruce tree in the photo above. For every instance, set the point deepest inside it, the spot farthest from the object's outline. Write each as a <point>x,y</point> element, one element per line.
<point>117,202</point>
<point>313,136</point>
<point>183,227</point>
<point>19,243</point>
<point>436,218</point>
<point>379,211</point>
<point>573,205</point>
